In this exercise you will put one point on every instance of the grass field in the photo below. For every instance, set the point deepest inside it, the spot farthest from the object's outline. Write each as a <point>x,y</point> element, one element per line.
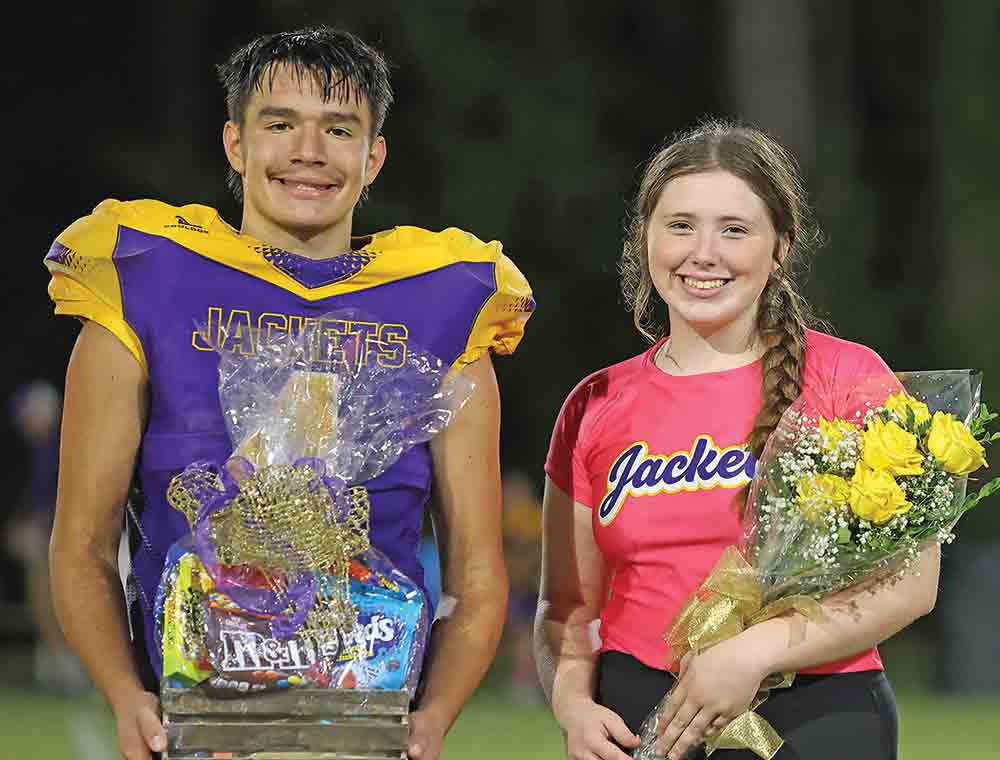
<point>35,727</point>
<point>492,727</point>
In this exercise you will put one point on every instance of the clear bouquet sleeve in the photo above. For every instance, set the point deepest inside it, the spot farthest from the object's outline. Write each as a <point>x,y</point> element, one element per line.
<point>277,584</point>
<point>852,484</point>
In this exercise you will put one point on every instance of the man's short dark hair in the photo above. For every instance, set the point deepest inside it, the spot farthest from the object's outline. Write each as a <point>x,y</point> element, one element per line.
<point>342,64</point>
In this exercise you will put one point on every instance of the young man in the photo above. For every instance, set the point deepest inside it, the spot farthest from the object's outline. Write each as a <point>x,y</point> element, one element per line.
<point>304,142</point>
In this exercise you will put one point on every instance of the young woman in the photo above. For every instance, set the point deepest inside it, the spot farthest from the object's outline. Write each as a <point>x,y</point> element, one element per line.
<point>648,466</point>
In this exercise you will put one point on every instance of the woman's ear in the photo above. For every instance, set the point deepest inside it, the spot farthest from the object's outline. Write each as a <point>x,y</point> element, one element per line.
<point>781,250</point>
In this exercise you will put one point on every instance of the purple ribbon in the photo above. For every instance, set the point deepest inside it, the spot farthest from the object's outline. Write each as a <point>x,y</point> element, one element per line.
<point>288,608</point>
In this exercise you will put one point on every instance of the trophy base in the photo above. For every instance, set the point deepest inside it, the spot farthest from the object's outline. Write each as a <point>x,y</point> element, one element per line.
<point>295,724</point>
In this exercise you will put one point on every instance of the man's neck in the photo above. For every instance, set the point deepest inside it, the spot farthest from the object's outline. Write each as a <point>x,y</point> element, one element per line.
<point>321,244</point>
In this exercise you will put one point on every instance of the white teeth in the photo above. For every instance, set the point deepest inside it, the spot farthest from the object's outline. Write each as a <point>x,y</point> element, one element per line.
<point>301,186</point>
<point>704,284</point>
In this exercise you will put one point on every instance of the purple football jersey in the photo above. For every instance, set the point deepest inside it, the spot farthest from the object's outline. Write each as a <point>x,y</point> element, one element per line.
<point>156,275</point>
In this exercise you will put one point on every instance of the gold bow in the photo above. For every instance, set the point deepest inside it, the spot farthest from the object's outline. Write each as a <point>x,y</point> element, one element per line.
<point>727,603</point>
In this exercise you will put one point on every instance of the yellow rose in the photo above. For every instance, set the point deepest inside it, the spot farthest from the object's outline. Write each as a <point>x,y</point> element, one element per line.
<point>820,493</point>
<point>886,446</point>
<point>900,402</point>
<point>832,433</point>
<point>953,445</point>
<point>875,495</point>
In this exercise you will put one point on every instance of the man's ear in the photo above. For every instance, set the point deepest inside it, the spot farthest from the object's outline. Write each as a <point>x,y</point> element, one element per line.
<point>376,159</point>
<point>233,145</point>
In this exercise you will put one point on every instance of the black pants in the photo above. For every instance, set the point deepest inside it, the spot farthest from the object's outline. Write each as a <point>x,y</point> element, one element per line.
<point>820,717</point>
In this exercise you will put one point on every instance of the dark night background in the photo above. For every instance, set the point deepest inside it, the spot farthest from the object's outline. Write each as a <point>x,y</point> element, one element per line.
<point>528,122</point>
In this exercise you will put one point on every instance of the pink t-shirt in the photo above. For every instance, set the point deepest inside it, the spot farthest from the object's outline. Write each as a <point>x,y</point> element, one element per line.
<point>661,460</point>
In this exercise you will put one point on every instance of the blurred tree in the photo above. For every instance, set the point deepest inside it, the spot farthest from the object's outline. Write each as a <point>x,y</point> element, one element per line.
<point>879,154</point>
<point>968,264</point>
<point>770,78</point>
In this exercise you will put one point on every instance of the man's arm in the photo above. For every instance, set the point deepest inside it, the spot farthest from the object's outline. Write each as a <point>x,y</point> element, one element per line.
<point>467,478</point>
<point>103,420</point>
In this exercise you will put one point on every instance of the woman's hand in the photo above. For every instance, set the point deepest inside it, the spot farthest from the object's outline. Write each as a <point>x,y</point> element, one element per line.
<point>592,730</point>
<point>714,687</point>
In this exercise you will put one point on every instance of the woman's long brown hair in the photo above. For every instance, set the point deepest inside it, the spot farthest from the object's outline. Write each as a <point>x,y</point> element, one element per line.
<point>783,315</point>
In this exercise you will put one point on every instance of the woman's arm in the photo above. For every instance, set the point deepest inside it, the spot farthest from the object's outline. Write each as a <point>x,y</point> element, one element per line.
<point>857,619</point>
<point>722,681</point>
<point>572,590</point>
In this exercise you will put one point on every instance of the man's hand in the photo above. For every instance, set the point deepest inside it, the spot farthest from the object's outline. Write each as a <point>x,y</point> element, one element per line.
<point>591,732</point>
<point>139,728</point>
<point>426,737</point>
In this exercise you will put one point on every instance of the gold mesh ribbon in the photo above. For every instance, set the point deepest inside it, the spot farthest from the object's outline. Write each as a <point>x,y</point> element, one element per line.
<point>285,520</point>
<point>727,603</point>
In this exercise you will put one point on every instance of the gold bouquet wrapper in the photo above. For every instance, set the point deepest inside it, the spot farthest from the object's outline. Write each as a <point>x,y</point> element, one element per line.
<point>727,603</point>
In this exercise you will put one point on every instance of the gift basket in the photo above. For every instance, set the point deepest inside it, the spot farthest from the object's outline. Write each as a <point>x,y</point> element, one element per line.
<point>283,632</point>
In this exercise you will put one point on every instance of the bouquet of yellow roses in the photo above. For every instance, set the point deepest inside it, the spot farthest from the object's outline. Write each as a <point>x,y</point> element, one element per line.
<point>835,502</point>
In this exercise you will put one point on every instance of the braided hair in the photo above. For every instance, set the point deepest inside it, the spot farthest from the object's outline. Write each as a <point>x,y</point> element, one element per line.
<point>783,316</point>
